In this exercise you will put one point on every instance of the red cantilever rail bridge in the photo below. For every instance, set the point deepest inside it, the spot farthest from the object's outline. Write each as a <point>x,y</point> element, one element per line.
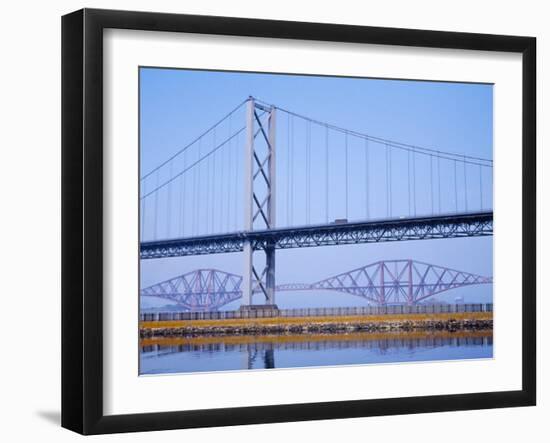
<point>383,282</point>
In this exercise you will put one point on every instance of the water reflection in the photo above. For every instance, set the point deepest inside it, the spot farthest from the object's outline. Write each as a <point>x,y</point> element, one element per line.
<point>215,353</point>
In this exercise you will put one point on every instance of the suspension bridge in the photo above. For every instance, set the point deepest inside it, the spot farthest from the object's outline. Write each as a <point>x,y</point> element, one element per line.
<point>330,186</point>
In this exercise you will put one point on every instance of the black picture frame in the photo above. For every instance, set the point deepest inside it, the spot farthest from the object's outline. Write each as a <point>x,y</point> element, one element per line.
<point>82,215</point>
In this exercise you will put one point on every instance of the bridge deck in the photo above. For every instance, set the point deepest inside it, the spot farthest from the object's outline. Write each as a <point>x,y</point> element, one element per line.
<point>471,224</point>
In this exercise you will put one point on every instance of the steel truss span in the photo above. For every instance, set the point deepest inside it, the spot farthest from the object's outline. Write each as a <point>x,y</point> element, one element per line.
<point>203,289</point>
<point>472,224</point>
<point>381,283</point>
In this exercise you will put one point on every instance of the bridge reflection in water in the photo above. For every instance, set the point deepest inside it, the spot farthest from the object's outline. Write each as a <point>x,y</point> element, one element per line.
<point>214,353</point>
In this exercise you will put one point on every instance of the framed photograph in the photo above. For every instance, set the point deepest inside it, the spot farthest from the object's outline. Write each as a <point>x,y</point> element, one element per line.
<point>269,221</point>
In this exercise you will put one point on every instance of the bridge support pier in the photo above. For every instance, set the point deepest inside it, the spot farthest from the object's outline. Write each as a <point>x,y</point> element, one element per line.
<point>259,207</point>
<point>247,275</point>
<point>270,277</point>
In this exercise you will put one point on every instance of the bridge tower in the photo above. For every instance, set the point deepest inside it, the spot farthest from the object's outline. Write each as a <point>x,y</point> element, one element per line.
<point>259,200</point>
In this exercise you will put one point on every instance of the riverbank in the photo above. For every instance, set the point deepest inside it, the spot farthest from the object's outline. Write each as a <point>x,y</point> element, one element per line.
<point>451,322</point>
<point>275,339</point>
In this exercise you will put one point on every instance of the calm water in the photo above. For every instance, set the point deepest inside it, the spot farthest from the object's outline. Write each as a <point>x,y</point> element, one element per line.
<point>206,354</point>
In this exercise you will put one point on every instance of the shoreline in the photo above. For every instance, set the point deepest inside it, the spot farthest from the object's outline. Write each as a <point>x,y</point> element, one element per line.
<point>450,322</point>
<point>290,338</point>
